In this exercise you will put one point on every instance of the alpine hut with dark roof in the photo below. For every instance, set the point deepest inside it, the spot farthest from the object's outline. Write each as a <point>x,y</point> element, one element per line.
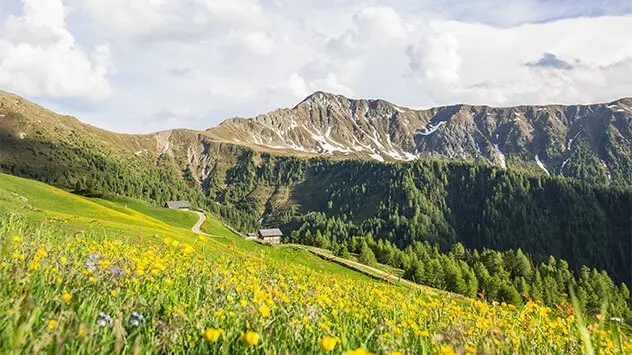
<point>178,205</point>
<point>272,236</point>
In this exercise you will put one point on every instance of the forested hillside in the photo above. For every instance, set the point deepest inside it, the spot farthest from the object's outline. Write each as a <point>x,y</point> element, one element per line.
<point>439,202</point>
<point>435,201</point>
<point>347,203</point>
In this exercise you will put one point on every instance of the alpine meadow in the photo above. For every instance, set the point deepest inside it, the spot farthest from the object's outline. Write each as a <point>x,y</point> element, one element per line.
<point>498,225</point>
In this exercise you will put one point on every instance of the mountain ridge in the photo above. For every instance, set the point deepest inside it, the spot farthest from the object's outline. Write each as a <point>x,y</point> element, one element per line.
<point>439,200</point>
<point>536,138</point>
<point>590,142</point>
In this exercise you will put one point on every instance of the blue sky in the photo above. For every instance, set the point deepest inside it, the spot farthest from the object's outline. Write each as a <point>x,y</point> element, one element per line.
<point>140,66</point>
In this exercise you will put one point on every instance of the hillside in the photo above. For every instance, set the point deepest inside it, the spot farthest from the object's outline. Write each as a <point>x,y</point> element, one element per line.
<point>90,275</point>
<point>586,142</point>
<point>444,202</point>
<point>121,218</point>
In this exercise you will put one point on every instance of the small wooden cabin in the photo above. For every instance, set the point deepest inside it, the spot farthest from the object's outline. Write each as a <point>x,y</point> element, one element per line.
<point>178,205</point>
<point>272,236</point>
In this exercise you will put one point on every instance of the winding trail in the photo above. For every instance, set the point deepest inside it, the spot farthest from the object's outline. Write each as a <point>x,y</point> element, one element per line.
<point>196,227</point>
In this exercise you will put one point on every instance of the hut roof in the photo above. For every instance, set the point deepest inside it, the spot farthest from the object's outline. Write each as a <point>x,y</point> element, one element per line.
<point>276,232</point>
<point>178,204</point>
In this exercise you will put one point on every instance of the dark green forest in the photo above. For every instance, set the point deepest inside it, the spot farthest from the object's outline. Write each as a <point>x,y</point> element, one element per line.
<point>444,203</point>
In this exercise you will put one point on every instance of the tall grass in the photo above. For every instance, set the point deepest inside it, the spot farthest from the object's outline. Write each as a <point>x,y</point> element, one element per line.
<point>87,293</point>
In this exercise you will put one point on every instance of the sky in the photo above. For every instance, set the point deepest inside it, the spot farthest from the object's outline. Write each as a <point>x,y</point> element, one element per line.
<point>139,66</point>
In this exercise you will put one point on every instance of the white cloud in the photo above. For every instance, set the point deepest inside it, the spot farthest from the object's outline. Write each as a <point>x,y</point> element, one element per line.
<point>497,63</point>
<point>297,86</point>
<point>330,83</point>
<point>435,59</point>
<point>39,57</point>
<point>177,20</point>
<point>193,63</point>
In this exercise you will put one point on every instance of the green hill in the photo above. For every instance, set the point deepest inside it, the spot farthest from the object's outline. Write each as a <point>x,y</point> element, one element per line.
<point>83,275</point>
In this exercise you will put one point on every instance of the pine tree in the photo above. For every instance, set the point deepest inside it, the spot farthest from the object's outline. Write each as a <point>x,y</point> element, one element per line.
<point>416,272</point>
<point>522,266</point>
<point>367,256</point>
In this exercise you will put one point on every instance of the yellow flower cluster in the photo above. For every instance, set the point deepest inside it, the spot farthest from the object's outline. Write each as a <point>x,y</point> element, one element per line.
<point>169,295</point>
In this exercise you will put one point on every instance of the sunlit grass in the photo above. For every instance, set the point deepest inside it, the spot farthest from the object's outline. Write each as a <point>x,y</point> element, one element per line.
<point>86,293</point>
<point>82,276</point>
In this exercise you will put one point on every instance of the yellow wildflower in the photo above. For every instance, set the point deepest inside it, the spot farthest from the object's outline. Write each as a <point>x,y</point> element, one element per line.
<point>250,337</point>
<point>188,249</point>
<point>265,311</point>
<point>52,324</point>
<point>66,296</point>
<point>422,333</point>
<point>328,343</point>
<point>213,335</point>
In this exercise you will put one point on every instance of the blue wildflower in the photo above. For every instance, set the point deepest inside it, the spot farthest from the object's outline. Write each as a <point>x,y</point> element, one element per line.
<point>103,319</point>
<point>137,318</point>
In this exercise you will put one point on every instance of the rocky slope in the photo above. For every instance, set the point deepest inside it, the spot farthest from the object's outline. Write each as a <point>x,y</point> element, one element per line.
<point>589,142</point>
<point>592,142</point>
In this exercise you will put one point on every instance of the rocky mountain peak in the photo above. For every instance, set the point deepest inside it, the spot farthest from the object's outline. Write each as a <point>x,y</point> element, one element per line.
<point>545,139</point>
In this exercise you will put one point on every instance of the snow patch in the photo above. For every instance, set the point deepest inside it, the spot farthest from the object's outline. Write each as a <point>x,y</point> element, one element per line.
<point>164,150</point>
<point>607,171</point>
<point>376,140</point>
<point>537,160</point>
<point>276,146</point>
<point>399,109</point>
<point>400,155</point>
<point>570,141</point>
<point>326,146</point>
<point>430,129</point>
<point>503,161</point>
<point>563,164</point>
<point>377,157</point>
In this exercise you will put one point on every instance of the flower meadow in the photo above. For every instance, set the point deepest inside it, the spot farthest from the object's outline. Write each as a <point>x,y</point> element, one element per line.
<point>82,293</point>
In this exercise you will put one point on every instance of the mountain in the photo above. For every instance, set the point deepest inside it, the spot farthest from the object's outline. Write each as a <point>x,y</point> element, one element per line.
<point>442,201</point>
<point>590,142</point>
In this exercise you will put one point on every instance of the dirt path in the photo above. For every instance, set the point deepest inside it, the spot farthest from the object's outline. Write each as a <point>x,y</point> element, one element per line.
<point>359,266</point>
<point>196,227</point>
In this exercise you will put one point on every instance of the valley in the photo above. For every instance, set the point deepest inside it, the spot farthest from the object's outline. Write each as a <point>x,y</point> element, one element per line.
<point>497,221</point>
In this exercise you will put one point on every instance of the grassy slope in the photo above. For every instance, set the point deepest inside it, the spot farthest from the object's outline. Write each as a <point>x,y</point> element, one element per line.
<point>120,216</point>
<point>284,254</point>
